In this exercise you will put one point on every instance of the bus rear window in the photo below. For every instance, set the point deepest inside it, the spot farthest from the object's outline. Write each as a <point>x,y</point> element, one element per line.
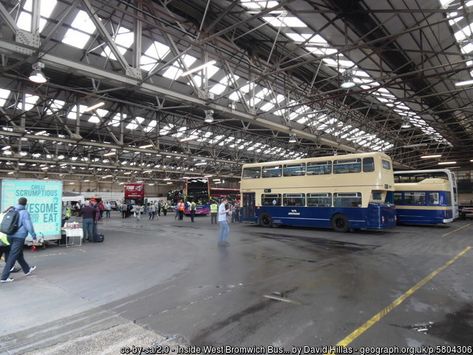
<point>321,168</point>
<point>377,195</point>
<point>294,170</point>
<point>319,200</point>
<point>347,166</point>
<point>252,173</point>
<point>398,198</point>
<point>272,171</point>
<point>368,165</point>
<point>271,200</point>
<point>347,199</point>
<point>386,164</point>
<point>293,200</point>
<point>414,198</point>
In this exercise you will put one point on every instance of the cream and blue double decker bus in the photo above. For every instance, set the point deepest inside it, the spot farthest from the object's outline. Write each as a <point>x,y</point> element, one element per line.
<point>343,192</point>
<point>426,196</point>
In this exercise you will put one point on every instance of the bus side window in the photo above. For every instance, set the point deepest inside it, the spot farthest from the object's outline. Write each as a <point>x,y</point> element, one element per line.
<point>322,168</point>
<point>272,171</point>
<point>386,165</point>
<point>271,200</point>
<point>347,199</point>
<point>252,173</point>
<point>398,198</point>
<point>347,166</point>
<point>434,198</point>
<point>368,165</point>
<point>294,170</point>
<point>448,198</point>
<point>414,198</point>
<point>293,200</point>
<point>319,200</point>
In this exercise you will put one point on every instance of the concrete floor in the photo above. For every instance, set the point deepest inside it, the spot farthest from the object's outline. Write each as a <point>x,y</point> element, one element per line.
<point>167,282</point>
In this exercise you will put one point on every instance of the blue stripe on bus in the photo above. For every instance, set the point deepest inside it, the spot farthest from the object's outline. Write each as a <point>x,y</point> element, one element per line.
<point>416,216</point>
<point>320,217</point>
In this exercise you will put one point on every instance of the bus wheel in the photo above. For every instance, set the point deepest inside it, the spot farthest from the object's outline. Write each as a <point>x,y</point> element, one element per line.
<point>265,220</point>
<point>340,223</point>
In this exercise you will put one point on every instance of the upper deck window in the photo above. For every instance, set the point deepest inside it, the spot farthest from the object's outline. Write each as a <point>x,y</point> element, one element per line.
<point>386,164</point>
<point>347,166</point>
<point>272,171</point>
<point>294,170</point>
<point>319,168</point>
<point>252,173</point>
<point>368,165</point>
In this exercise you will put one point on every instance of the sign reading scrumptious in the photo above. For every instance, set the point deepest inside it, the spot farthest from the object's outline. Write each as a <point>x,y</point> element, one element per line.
<point>44,203</point>
<point>134,191</point>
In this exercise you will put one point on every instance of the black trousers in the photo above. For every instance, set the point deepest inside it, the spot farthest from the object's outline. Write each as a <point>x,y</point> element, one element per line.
<point>192,216</point>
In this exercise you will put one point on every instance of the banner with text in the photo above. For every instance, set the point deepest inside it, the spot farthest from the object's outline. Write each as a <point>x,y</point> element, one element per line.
<point>134,191</point>
<point>44,203</point>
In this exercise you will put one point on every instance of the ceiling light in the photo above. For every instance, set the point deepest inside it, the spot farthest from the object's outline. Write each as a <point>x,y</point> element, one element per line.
<point>87,180</point>
<point>447,162</point>
<point>166,179</point>
<point>198,68</point>
<point>37,75</point>
<point>93,107</point>
<point>292,138</point>
<point>406,125</point>
<point>146,146</point>
<point>109,154</point>
<point>209,116</point>
<point>107,176</point>
<point>6,147</point>
<point>201,163</point>
<point>431,156</point>
<point>11,172</point>
<point>169,183</point>
<point>347,80</point>
<point>191,138</point>
<point>464,83</point>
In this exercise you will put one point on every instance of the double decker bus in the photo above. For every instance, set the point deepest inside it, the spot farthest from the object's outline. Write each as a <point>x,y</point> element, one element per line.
<point>197,189</point>
<point>217,193</point>
<point>426,196</point>
<point>343,192</point>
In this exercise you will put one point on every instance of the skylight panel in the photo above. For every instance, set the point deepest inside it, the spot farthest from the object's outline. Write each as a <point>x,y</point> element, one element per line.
<point>98,115</point>
<point>288,21</point>
<point>81,29</point>
<point>156,52</point>
<point>45,10</point>
<point>174,71</point>
<point>30,101</point>
<point>467,48</point>
<point>258,4</point>
<point>151,126</point>
<point>166,129</point>
<point>219,88</point>
<point>4,94</point>
<point>135,123</point>
<point>72,115</point>
<point>180,132</point>
<point>321,50</point>
<point>116,119</point>
<point>211,71</point>
<point>267,106</point>
<point>56,105</point>
<point>124,39</point>
<point>464,33</point>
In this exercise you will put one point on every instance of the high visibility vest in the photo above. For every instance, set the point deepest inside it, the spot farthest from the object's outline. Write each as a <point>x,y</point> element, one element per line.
<point>193,206</point>
<point>68,212</point>
<point>213,208</point>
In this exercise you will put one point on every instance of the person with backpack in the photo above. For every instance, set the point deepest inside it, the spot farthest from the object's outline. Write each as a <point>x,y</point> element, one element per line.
<point>16,224</point>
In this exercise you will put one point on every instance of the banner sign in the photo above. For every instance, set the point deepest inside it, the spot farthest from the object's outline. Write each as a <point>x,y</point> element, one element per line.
<point>134,191</point>
<point>44,203</point>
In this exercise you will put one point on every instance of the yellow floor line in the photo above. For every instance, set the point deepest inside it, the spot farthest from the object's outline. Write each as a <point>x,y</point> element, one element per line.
<point>456,230</point>
<point>377,317</point>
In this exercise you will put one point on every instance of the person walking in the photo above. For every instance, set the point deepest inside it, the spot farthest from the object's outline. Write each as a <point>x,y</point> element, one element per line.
<point>180,210</point>
<point>108,209</point>
<point>88,213</point>
<point>137,211</point>
<point>158,206</point>
<point>17,241</point>
<point>124,208</point>
<point>223,223</point>
<point>151,211</point>
<point>193,208</point>
<point>165,208</point>
<point>213,212</point>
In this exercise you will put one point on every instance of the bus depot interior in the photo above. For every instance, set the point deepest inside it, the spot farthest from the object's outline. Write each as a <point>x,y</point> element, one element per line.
<point>236,177</point>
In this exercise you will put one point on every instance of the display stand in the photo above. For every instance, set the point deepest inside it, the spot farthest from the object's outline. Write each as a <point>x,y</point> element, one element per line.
<point>74,234</point>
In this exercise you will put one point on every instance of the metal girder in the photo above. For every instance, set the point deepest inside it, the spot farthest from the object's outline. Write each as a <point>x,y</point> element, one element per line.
<point>110,42</point>
<point>68,65</point>
<point>8,19</point>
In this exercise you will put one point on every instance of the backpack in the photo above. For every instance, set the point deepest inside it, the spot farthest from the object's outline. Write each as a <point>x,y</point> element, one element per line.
<point>10,222</point>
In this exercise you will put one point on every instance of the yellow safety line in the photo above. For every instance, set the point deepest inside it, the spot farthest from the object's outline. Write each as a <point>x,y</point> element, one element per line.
<point>377,317</point>
<point>456,230</point>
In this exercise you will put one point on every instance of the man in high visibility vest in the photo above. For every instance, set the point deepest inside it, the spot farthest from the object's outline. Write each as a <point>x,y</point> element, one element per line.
<point>180,208</point>
<point>213,212</point>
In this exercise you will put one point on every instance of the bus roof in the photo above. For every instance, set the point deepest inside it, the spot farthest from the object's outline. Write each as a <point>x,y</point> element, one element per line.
<point>315,159</point>
<point>424,185</point>
<point>412,172</point>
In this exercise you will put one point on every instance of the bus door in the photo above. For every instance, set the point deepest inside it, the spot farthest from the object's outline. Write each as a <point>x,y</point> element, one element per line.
<point>248,212</point>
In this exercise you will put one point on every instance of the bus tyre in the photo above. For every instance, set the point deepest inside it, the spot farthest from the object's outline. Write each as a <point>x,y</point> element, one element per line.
<point>265,220</point>
<point>340,223</point>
